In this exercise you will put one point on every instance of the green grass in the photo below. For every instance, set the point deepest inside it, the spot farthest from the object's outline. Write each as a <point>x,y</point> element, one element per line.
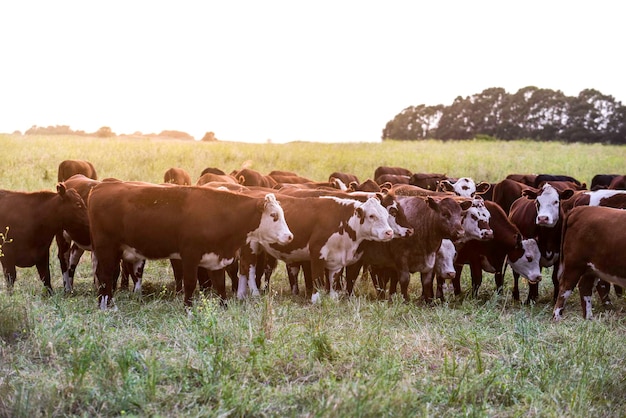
<point>280,356</point>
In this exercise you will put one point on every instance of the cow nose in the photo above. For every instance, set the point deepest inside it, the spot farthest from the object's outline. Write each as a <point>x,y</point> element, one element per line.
<point>409,232</point>
<point>448,275</point>
<point>535,279</point>
<point>542,220</point>
<point>388,234</point>
<point>487,234</point>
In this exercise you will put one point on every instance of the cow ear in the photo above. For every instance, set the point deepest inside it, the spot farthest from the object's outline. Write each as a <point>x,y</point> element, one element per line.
<point>566,194</point>
<point>530,193</point>
<point>379,196</point>
<point>432,203</point>
<point>61,189</point>
<point>518,240</point>
<point>446,186</point>
<point>482,187</point>
<point>353,186</point>
<point>241,180</point>
<point>466,204</point>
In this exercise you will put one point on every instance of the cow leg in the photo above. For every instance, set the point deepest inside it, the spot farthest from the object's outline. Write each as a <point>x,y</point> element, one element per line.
<point>190,278</point>
<point>177,269</point>
<point>107,272</point>
<point>10,272</point>
<point>427,286</point>
<point>334,279</point>
<point>204,280</point>
<point>218,280</point>
<point>404,279</point>
<point>268,267</point>
<point>233,273</point>
<point>568,279</point>
<point>533,293</point>
<point>63,253</point>
<point>456,282</point>
<point>293,269</point>
<point>352,273</point>
<point>555,282</point>
<point>43,268</point>
<point>585,289</point>
<point>619,291</point>
<point>318,278</point>
<point>74,257</point>
<point>515,286</point>
<point>476,272</point>
<point>604,289</point>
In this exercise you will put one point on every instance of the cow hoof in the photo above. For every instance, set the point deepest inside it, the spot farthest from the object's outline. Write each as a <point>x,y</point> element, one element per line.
<point>316,298</point>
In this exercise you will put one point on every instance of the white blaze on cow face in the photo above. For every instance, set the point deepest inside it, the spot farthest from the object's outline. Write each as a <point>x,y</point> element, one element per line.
<point>527,265</point>
<point>444,262</point>
<point>475,222</point>
<point>273,227</point>
<point>547,203</point>
<point>465,187</point>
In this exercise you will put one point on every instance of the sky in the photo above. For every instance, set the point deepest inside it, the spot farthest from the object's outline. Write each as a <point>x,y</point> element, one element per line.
<point>280,71</point>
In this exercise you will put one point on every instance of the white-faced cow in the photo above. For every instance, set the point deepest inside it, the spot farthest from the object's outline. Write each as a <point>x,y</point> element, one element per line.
<point>594,239</point>
<point>464,186</point>
<point>538,216</point>
<point>33,220</point>
<point>200,226</point>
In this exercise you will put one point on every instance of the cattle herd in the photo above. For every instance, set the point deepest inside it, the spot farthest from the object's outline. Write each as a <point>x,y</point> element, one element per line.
<point>240,224</point>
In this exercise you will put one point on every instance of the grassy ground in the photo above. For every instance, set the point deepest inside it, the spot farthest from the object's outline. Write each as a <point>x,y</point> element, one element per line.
<point>278,355</point>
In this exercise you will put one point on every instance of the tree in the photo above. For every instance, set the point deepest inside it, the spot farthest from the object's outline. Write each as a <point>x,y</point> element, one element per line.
<point>104,132</point>
<point>209,137</point>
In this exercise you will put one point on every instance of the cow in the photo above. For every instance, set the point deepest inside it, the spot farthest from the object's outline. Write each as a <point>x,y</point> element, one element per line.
<point>368,185</point>
<point>392,178</point>
<point>592,248</point>
<point>288,177</point>
<point>432,220</point>
<point>464,186</point>
<point>601,181</point>
<point>537,214</point>
<point>32,220</point>
<point>344,179</point>
<point>327,232</point>
<point>178,176</point>
<point>508,191</point>
<point>527,179</point>
<point>213,170</point>
<point>201,226</point>
<point>250,177</point>
<point>213,178</point>
<point>68,168</point>
<point>542,178</point>
<point>428,181</point>
<point>618,183</point>
<point>490,255</point>
<point>391,170</point>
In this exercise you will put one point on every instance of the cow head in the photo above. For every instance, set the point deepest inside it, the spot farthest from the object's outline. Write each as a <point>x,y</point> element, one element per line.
<point>525,258</point>
<point>464,186</point>
<point>450,212</point>
<point>475,221</point>
<point>74,212</point>
<point>272,228</point>
<point>373,221</point>
<point>547,203</point>
<point>444,261</point>
<point>397,219</point>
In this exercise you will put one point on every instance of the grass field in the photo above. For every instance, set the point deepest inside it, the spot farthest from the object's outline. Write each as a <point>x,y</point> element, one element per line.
<point>278,355</point>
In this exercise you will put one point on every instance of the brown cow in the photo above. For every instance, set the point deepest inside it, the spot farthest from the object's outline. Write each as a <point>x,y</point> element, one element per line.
<point>178,176</point>
<point>593,247</point>
<point>213,178</point>
<point>508,191</point>
<point>527,179</point>
<point>288,177</point>
<point>601,181</point>
<point>68,168</point>
<point>33,220</point>
<point>345,179</point>
<point>490,255</point>
<point>200,226</point>
<point>538,216</point>
<point>392,178</point>
<point>618,183</point>
<point>428,181</point>
<point>391,170</point>
<point>250,177</point>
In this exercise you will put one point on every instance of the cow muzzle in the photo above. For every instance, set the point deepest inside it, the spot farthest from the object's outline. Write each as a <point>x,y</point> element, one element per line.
<point>534,279</point>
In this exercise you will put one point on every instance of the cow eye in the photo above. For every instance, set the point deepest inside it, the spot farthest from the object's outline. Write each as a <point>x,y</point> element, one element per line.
<point>530,259</point>
<point>556,202</point>
<point>275,216</point>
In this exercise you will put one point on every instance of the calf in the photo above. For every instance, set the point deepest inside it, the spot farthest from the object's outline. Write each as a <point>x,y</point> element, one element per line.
<point>327,232</point>
<point>200,226</point>
<point>593,247</point>
<point>538,216</point>
<point>33,220</point>
<point>178,176</point>
<point>68,168</point>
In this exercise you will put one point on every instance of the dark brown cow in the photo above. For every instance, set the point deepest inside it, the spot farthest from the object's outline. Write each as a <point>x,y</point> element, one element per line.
<point>68,168</point>
<point>432,221</point>
<point>538,216</point>
<point>213,170</point>
<point>178,176</point>
<point>344,178</point>
<point>33,220</point>
<point>527,179</point>
<point>508,191</point>
<point>201,226</point>
<point>391,170</point>
<point>543,178</point>
<point>618,183</point>
<point>601,181</point>
<point>593,247</point>
<point>249,177</point>
<point>490,255</point>
<point>428,181</point>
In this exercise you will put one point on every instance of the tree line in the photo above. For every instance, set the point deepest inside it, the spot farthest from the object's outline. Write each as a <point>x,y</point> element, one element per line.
<point>107,132</point>
<point>531,113</point>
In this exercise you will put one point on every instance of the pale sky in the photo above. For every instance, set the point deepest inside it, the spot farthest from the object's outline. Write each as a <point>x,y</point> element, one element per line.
<point>254,70</point>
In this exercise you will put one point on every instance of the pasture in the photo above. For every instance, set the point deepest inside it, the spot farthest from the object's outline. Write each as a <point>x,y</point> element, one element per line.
<point>278,355</point>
